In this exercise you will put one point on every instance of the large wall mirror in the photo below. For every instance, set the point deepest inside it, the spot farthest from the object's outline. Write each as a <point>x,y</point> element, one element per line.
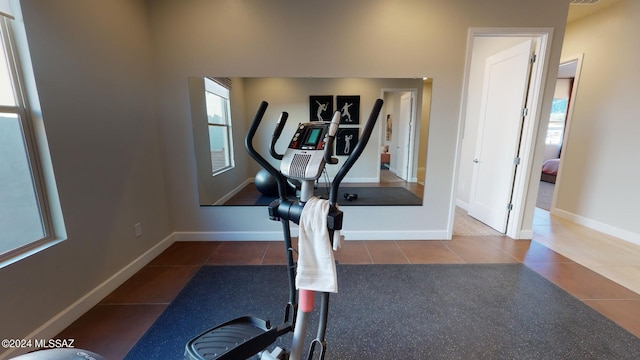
<point>391,170</point>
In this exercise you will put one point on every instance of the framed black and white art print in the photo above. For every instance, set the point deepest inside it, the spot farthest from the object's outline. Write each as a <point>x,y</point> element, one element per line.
<point>346,140</point>
<point>349,107</point>
<point>320,107</point>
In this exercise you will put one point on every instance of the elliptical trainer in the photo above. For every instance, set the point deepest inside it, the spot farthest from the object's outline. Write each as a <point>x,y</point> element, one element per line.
<point>304,160</point>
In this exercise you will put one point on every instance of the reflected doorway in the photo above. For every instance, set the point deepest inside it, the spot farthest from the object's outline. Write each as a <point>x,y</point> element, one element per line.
<point>399,136</point>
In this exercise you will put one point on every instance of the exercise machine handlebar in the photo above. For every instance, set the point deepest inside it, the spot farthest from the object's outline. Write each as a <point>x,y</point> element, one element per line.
<point>333,129</point>
<point>276,135</point>
<point>248,143</point>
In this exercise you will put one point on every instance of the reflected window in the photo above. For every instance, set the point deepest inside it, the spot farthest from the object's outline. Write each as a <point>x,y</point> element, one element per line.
<point>219,125</point>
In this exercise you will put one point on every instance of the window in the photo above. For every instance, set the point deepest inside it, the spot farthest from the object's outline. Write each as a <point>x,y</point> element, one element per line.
<point>219,125</point>
<point>555,132</point>
<point>25,224</point>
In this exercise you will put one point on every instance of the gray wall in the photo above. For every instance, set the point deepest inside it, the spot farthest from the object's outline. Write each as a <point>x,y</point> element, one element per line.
<point>93,66</point>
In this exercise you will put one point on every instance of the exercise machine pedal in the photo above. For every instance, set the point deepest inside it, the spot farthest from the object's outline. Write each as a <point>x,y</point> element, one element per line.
<point>240,338</point>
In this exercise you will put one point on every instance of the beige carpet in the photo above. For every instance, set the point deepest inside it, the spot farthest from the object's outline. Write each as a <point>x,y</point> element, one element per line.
<point>465,225</point>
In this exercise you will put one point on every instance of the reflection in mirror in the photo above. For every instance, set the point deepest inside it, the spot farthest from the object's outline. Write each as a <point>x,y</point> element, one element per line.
<point>391,170</point>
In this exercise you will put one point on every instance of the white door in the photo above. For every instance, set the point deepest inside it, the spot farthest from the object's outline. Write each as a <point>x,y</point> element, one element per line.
<point>404,138</point>
<point>506,82</point>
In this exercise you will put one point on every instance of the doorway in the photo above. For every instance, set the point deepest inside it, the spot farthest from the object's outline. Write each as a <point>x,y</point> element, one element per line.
<point>399,136</point>
<point>558,129</point>
<point>482,45</point>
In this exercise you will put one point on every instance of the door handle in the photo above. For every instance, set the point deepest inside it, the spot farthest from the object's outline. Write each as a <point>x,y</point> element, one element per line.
<point>476,161</point>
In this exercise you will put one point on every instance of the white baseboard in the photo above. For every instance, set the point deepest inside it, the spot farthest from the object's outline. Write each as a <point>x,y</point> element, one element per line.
<point>360,180</point>
<point>462,205</point>
<point>229,235</point>
<point>277,235</point>
<point>598,226</point>
<point>395,235</point>
<point>66,317</point>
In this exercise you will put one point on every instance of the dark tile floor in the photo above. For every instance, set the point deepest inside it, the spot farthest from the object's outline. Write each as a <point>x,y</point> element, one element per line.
<point>113,326</point>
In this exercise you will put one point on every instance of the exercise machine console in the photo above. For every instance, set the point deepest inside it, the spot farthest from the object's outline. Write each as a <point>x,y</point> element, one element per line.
<point>304,160</point>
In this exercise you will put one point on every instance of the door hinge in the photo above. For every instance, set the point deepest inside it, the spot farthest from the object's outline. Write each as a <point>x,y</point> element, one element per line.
<point>533,58</point>
<point>516,161</point>
<point>509,206</point>
<point>525,112</point>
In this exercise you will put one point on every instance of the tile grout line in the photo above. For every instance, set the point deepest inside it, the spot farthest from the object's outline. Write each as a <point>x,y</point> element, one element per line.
<point>395,242</point>
<point>444,243</point>
<point>366,247</point>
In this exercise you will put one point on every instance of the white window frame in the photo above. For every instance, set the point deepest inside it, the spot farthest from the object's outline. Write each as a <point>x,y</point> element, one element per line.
<point>17,56</point>
<point>215,88</point>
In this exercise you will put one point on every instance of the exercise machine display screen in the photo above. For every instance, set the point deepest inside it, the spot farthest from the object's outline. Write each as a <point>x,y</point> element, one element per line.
<point>313,137</point>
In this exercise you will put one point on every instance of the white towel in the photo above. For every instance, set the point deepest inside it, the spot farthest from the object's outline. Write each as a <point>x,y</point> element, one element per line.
<point>316,264</point>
